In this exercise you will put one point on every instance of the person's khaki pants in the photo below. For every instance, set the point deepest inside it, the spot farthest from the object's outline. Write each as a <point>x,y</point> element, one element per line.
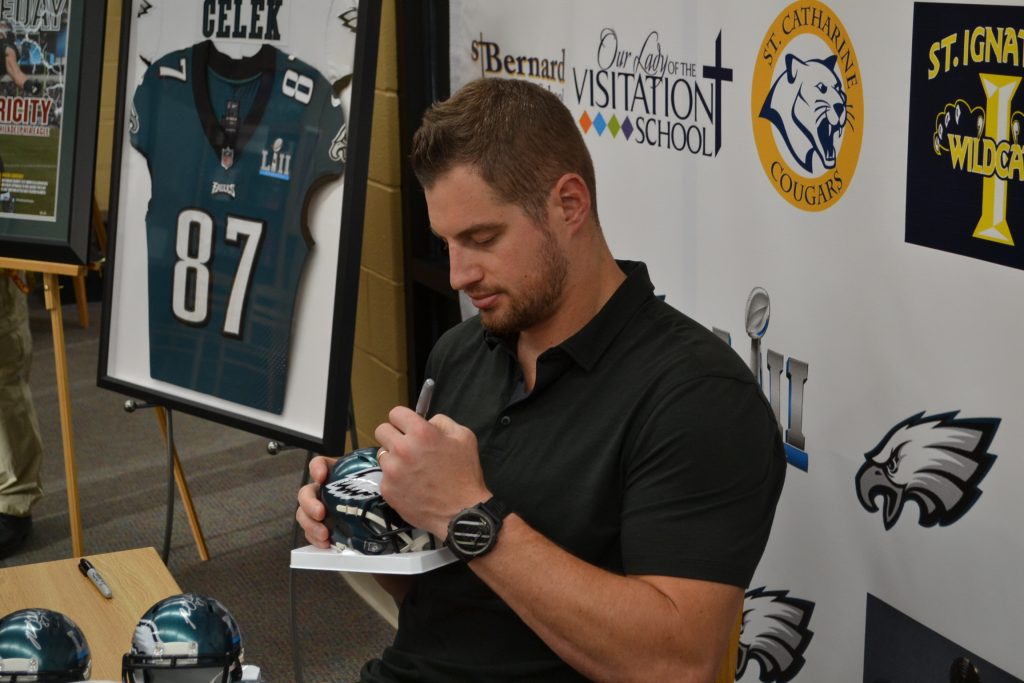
<point>21,451</point>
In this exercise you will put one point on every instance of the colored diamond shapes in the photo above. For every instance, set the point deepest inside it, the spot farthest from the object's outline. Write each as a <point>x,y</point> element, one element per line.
<point>613,125</point>
<point>585,122</point>
<point>600,124</point>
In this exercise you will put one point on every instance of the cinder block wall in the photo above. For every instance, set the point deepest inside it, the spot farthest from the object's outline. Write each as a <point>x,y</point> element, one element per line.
<point>379,367</point>
<point>108,102</point>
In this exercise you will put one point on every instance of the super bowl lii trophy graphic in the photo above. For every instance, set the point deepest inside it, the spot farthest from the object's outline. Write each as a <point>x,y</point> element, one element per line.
<point>33,54</point>
<point>758,310</point>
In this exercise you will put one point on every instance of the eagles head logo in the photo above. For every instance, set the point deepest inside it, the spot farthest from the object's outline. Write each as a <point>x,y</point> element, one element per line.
<point>937,461</point>
<point>807,104</point>
<point>774,634</point>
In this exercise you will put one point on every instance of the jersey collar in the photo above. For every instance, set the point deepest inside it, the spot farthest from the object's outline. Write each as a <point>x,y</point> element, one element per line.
<point>263,63</point>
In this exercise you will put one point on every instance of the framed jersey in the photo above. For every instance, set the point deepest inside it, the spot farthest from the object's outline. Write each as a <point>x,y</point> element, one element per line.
<point>237,210</point>
<point>50,60</point>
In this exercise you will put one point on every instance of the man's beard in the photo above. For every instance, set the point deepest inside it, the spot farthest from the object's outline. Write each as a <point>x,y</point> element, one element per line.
<point>536,304</point>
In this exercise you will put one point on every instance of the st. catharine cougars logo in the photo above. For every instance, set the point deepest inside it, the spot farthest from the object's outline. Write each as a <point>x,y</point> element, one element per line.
<point>774,634</point>
<point>937,461</point>
<point>807,104</point>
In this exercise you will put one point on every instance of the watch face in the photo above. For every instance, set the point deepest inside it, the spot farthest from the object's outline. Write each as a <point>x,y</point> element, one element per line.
<point>471,533</point>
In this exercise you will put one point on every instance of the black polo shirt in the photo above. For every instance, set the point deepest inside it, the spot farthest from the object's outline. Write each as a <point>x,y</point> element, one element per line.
<point>645,447</point>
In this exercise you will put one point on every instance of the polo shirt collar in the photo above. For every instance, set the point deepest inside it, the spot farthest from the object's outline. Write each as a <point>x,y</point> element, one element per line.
<point>587,346</point>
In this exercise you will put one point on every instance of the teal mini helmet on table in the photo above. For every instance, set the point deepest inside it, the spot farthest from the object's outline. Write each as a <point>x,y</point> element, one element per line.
<point>357,514</point>
<point>42,645</point>
<point>185,637</point>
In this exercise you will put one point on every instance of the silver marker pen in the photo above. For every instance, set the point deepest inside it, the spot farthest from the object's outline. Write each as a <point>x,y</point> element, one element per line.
<point>423,402</point>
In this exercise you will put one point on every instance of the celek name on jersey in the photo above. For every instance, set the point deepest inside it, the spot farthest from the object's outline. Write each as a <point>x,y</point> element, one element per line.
<point>225,19</point>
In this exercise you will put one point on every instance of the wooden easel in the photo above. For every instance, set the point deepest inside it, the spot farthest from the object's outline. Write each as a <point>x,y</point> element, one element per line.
<point>81,300</point>
<point>51,290</point>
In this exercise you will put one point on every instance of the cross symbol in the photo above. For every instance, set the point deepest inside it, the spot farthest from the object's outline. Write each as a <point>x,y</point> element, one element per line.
<point>718,74</point>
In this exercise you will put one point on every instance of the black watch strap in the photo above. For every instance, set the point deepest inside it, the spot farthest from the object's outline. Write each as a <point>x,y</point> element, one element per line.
<point>496,508</point>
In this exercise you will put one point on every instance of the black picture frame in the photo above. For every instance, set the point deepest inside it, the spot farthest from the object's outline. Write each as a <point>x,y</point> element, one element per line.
<point>333,326</point>
<point>46,209</point>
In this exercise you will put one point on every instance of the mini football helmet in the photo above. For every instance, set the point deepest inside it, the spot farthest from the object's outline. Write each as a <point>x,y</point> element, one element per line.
<point>185,637</point>
<point>357,514</point>
<point>42,645</point>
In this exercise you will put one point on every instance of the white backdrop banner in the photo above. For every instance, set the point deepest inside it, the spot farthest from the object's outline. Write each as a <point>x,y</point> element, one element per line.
<point>835,188</point>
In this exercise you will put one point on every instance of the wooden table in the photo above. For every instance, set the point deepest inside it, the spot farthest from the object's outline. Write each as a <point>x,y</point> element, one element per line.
<point>137,579</point>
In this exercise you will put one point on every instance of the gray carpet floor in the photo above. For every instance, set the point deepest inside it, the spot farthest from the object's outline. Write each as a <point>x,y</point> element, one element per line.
<point>245,500</point>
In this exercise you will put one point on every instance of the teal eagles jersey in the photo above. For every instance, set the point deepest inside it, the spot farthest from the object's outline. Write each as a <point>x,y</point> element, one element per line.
<point>235,149</point>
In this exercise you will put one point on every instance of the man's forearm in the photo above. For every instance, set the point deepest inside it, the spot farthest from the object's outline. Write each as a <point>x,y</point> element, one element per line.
<point>607,626</point>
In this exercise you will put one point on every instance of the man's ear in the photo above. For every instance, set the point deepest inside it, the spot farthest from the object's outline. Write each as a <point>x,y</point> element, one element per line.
<point>572,201</point>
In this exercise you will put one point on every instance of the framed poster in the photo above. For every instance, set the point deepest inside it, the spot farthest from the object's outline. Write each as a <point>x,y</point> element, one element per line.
<point>50,59</point>
<point>237,210</point>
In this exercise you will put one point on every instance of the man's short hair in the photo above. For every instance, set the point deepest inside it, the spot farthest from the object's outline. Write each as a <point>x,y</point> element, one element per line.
<point>519,136</point>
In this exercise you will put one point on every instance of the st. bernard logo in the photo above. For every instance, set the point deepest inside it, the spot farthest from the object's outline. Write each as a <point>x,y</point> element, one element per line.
<point>546,70</point>
<point>770,368</point>
<point>965,160</point>
<point>640,92</point>
<point>774,633</point>
<point>937,461</point>
<point>807,106</point>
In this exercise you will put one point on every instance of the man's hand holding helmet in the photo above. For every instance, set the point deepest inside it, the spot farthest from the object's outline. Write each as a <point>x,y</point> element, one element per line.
<point>311,511</point>
<point>431,470</point>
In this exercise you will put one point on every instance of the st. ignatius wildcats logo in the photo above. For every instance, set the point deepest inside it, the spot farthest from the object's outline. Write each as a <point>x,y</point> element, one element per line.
<point>936,461</point>
<point>807,106</point>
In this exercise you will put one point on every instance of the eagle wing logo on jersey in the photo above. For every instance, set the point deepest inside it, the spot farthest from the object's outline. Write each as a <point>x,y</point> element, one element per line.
<point>937,461</point>
<point>133,121</point>
<point>339,144</point>
<point>774,634</point>
<point>349,18</point>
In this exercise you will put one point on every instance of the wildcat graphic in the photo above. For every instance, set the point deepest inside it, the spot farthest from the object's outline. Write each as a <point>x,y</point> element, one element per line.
<point>807,104</point>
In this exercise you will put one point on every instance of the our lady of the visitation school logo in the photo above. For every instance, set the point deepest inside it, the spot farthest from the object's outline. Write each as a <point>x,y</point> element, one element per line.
<point>807,106</point>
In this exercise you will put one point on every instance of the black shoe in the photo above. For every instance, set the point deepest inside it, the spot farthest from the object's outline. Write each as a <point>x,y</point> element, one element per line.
<point>13,532</point>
